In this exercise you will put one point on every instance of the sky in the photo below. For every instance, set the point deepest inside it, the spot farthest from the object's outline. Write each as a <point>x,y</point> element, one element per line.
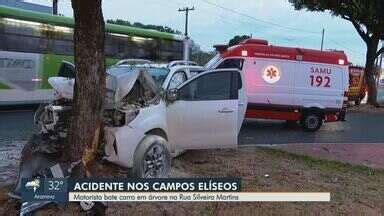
<point>217,21</point>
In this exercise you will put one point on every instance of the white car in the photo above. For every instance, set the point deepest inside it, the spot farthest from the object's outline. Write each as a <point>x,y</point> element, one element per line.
<point>133,61</point>
<point>164,77</point>
<point>143,127</point>
<point>181,62</point>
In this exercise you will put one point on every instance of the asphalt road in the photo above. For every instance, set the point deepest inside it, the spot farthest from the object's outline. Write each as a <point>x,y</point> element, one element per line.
<point>16,128</point>
<point>359,128</point>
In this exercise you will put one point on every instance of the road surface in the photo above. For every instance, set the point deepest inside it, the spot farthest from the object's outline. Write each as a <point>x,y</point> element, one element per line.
<point>16,127</point>
<point>359,128</point>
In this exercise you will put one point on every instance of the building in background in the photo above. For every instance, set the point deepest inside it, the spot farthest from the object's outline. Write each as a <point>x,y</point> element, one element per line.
<point>26,6</point>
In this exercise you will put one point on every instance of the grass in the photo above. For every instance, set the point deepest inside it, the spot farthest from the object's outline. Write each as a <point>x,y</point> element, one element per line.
<point>3,86</point>
<point>323,163</point>
<point>355,190</point>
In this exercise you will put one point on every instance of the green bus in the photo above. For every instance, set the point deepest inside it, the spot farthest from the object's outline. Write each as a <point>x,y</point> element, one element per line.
<point>33,45</point>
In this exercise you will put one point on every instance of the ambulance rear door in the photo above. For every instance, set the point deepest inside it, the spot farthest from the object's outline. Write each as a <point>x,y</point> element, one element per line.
<point>319,85</point>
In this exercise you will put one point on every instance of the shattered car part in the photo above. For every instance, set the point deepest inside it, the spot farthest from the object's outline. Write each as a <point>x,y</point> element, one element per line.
<point>133,88</point>
<point>47,119</point>
<point>63,87</point>
<point>39,158</point>
<point>127,93</point>
<point>27,208</point>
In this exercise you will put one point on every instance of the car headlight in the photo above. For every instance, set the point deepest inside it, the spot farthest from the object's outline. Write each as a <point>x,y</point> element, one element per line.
<point>119,118</point>
<point>131,115</point>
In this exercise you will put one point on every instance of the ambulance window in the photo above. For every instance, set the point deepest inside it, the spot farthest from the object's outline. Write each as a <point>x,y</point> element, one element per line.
<point>232,63</point>
<point>212,86</point>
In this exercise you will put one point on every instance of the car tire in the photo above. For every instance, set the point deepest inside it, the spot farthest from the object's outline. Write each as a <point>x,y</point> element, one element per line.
<point>311,122</point>
<point>152,158</point>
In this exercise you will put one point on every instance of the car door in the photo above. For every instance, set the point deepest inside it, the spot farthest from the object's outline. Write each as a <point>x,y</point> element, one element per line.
<point>206,113</point>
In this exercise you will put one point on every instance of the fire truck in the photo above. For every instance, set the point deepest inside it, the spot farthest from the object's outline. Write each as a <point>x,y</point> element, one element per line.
<point>357,85</point>
<point>291,84</point>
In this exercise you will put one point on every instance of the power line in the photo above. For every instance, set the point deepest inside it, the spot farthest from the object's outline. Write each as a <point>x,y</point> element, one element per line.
<point>346,47</point>
<point>279,25</point>
<point>223,19</point>
<point>322,39</point>
<point>257,19</point>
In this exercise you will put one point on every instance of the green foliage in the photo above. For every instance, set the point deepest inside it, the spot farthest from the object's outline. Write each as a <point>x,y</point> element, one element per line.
<point>366,15</point>
<point>202,57</point>
<point>140,25</point>
<point>237,39</point>
<point>4,86</point>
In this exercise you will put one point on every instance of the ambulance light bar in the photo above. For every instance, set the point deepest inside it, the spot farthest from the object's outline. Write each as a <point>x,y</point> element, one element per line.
<point>255,41</point>
<point>221,48</point>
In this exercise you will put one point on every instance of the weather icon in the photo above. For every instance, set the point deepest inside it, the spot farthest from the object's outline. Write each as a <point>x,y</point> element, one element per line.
<point>35,184</point>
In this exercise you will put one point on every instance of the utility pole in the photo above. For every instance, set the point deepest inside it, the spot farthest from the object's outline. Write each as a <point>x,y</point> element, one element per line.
<point>54,7</point>
<point>322,39</point>
<point>186,39</point>
<point>186,10</point>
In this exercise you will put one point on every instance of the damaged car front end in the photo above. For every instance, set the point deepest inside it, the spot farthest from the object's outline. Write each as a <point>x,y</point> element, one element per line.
<point>130,97</point>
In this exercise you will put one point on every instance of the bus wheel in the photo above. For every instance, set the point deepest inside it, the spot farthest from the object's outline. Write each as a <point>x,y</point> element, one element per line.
<point>311,122</point>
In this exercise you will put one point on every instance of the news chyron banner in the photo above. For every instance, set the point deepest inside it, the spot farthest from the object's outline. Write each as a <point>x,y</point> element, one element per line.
<point>152,190</point>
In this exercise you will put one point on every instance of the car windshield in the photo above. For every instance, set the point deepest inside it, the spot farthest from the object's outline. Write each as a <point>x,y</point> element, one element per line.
<point>158,73</point>
<point>116,70</point>
<point>213,62</point>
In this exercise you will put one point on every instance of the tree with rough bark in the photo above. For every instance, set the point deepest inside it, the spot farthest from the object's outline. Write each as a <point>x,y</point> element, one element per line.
<point>367,16</point>
<point>237,39</point>
<point>86,127</point>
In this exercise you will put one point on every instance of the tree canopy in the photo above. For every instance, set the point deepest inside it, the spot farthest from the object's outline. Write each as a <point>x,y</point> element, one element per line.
<point>237,39</point>
<point>144,26</point>
<point>367,16</point>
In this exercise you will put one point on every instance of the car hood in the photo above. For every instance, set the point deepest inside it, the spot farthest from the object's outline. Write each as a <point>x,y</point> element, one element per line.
<point>132,87</point>
<point>118,87</point>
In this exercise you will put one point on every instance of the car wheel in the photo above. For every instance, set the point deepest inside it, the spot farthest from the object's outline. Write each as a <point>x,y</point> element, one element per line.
<point>152,158</point>
<point>311,122</point>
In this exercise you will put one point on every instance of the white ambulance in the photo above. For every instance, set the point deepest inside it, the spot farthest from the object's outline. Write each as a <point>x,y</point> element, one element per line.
<point>292,84</point>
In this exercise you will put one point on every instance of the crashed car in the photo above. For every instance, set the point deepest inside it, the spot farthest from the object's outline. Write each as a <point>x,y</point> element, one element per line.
<point>143,127</point>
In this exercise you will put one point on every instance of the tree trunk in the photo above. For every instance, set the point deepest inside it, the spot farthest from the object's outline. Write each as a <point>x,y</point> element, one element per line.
<point>370,72</point>
<point>86,125</point>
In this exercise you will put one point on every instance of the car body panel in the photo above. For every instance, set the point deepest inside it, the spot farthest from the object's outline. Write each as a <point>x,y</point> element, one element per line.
<point>129,136</point>
<point>186,124</point>
<point>206,124</point>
